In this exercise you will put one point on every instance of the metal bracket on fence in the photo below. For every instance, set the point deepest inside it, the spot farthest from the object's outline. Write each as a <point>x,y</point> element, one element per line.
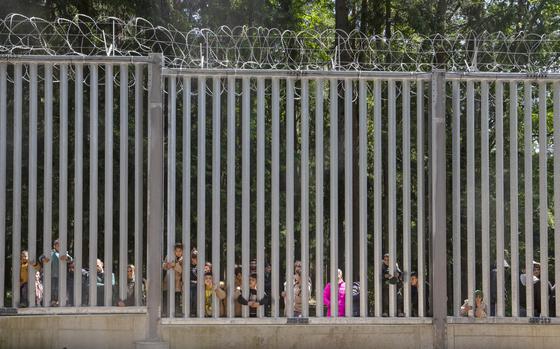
<point>8,311</point>
<point>539,320</point>
<point>297,321</point>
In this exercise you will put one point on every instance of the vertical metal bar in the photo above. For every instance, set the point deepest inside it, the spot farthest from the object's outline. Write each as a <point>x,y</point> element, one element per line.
<point>78,180</point>
<point>216,173</point>
<point>231,197</point>
<point>155,193</point>
<point>93,182</point>
<point>201,193</point>
<point>556,111</point>
<point>348,201</point>
<point>500,281</point>
<point>275,199</point>
<point>3,146</point>
<point>171,184</point>
<point>392,163</point>
<point>420,197</point>
<point>333,144</point>
<point>108,186</point>
<point>32,203</point>
<point>471,253</point>
<point>377,199</point>
<point>246,190</point>
<point>305,197</point>
<point>63,187</point>
<point>18,149</point>
<point>485,189</point>
<point>290,173</point>
<point>260,192</point>
<point>543,198</point>
<point>406,194</point>
<point>528,179</point>
<point>514,192</point>
<point>456,193</point>
<point>48,170</point>
<point>363,197</point>
<point>186,233</point>
<point>123,183</point>
<point>138,182</point>
<point>319,195</point>
<point>438,198</point>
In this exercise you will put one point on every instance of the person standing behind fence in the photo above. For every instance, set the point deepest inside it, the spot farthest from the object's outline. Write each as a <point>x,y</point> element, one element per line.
<point>71,268</point>
<point>238,281</point>
<point>99,279</point>
<point>534,279</point>
<point>193,277</point>
<point>414,308</point>
<point>252,301</point>
<point>480,309</point>
<point>298,286</point>
<point>56,257</point>
<point>494,286</point>
<point>341,296</point>
<point>130,289</point>
<point>388,279</point>
<point>23,278</point>
<point>209,290</point>
<point>39,290</point>
<point>71,276</point>
<point>175,263</point>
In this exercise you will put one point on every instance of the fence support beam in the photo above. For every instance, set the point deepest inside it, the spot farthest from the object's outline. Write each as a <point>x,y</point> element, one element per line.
<point>438,206</point>
<point>155,202</point>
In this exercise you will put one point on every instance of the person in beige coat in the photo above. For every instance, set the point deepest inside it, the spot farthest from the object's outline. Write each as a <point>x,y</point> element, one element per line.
<point>177,265</point>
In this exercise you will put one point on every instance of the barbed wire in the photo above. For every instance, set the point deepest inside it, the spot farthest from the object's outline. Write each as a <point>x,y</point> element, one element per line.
<point>269,48</point>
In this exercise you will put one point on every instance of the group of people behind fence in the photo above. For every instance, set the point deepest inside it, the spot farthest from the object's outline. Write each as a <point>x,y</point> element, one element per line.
<point>255,299</point>
<point>87,276</point>
<point>176,263</point>
<point>481,309</point>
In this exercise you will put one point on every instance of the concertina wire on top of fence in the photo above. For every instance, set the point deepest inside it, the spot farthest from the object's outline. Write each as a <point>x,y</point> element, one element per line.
<point>271,48</point>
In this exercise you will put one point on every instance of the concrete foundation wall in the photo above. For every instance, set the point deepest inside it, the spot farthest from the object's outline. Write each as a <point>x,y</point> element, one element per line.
<point>72,331</point>
<point>123,330</point>
<point>298,336</point>
<point>498,336</point>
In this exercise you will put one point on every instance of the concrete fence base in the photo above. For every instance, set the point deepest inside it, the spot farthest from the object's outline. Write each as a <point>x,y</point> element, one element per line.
<point>127,331</point>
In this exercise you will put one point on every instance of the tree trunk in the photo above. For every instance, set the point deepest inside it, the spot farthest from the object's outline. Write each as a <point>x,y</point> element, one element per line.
<point>440,28</point>
<point>388,32</point>
<point>341,23</point>
<point>521,12</point>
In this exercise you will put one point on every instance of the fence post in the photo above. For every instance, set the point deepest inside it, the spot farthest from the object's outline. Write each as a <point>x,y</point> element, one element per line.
<point>155,202</point>
<point>438,207</point>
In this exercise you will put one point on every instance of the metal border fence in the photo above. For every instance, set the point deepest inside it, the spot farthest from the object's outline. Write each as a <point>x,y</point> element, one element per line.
<point>300,104</point>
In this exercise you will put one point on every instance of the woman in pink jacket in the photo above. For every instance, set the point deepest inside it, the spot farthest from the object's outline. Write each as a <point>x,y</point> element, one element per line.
<point>341,295</point>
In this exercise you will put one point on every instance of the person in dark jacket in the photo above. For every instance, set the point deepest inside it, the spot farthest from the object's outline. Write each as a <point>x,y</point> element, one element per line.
<point>193,277</point>
<point>388,279</point>
<point>130,289</point>
<point>535,279</point>
<point>494,287</point>
<point>414,302</point>
<point>253,302</point>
